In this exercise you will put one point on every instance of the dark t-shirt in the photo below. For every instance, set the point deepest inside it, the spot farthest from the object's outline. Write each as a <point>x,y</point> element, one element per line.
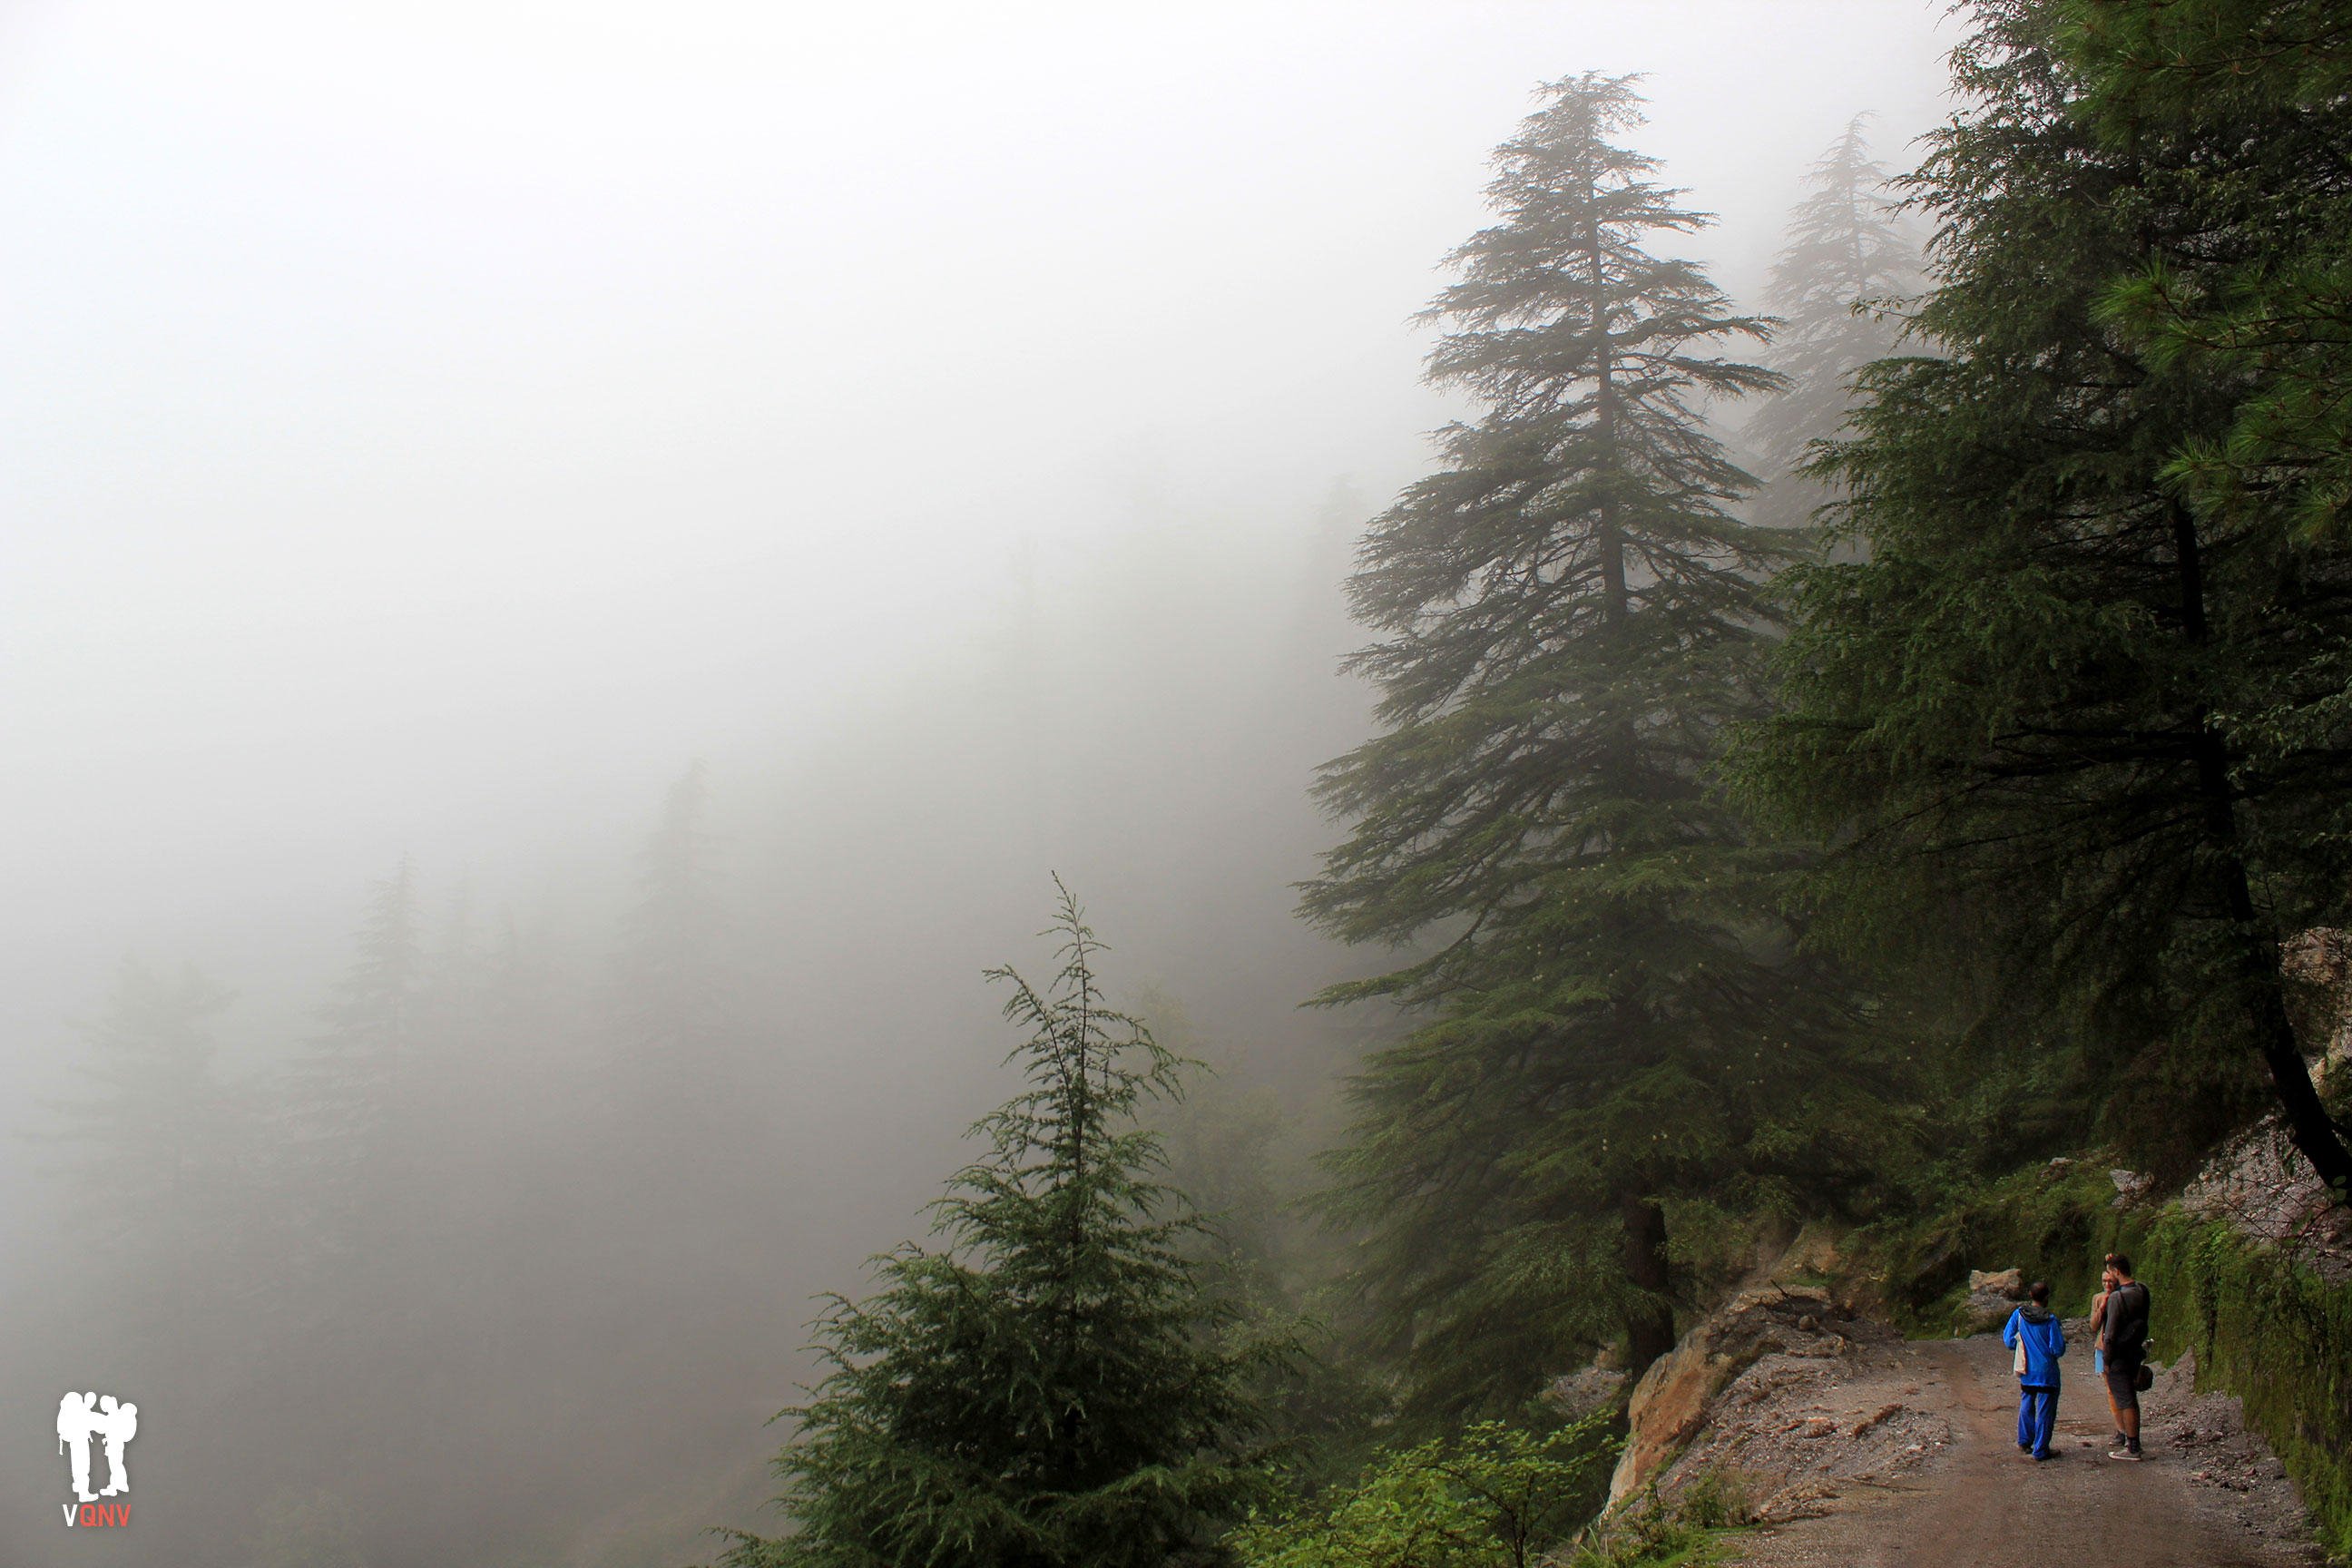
<point>2124,1336</point>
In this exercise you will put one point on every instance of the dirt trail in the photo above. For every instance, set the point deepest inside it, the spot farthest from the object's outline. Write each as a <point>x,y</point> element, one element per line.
<point>2209,1494</point>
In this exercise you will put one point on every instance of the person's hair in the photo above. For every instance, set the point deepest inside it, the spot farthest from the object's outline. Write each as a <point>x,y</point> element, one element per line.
<point>2120,1264</point>
<point>2040,1292</point>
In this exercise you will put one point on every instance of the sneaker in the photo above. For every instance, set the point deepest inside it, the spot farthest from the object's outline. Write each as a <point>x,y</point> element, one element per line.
<point>2130,1454</point>
<point>2053,1454</point>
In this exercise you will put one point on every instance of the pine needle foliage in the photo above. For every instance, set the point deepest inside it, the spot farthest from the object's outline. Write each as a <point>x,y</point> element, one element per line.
<point>1047,1388</point>
<point>2033,719</point>
<point>2280,314</point>
<point>1571,618</point>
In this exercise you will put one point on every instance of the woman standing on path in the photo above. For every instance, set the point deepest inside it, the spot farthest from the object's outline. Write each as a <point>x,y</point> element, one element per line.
<point>2039,1341</point>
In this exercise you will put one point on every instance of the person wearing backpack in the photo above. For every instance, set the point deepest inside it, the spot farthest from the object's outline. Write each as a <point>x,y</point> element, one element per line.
<point>2123,1347</point>
<point>2039,1340</point>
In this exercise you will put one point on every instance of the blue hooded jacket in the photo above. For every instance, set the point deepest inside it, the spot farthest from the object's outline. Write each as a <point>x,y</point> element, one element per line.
<point>2045,1341</point>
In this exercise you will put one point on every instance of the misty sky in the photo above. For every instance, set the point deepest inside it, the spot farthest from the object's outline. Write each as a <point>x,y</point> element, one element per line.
<point>424,426</point>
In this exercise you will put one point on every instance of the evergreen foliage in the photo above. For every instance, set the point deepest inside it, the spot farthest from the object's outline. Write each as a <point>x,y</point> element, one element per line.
<point>2277,314</point>
<point>1047,1388</point>
<point>1571,618</point>
<point>2059,722</point>
<point>1836,287</point>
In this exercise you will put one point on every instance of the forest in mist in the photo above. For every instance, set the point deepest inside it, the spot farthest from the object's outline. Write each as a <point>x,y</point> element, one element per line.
<point>536,1199</point>
<point>1052,790</point>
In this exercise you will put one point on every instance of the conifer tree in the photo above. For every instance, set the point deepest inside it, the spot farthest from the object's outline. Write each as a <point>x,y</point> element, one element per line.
<point>348,1087</point>
<point>2039,712</point>
<point>677,1005</point>
<point>1571,617</point>
<point>1044,1389</point>
<point>156,1136</point>
<point>1836,288</point>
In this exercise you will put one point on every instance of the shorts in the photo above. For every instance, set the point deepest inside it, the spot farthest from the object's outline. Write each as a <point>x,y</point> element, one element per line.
<point>2120,1375</point>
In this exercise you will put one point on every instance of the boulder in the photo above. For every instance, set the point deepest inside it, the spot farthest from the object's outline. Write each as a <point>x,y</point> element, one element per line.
<point>1672,1401</point>
<point>1981,1313</point>
<point>2007,1283</point>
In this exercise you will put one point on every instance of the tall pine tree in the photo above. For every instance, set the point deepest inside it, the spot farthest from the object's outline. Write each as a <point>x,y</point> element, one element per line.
<point>1571,617</point>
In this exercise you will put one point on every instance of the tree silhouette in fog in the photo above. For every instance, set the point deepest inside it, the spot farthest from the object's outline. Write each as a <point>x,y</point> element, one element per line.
<point>349,1139</point>
<point>677,1010</point>
<point>1836,287</point>
<point>159,1148</point>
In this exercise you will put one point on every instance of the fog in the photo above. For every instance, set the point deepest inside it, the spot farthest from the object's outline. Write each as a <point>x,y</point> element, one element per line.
<point>429,431</point>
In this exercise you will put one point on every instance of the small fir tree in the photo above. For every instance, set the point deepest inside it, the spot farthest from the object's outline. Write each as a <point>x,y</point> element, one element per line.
<point>1046,1389</point>
<point>1571,617</point>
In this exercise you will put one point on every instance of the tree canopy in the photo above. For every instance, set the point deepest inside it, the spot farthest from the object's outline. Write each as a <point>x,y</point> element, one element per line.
<point>2059,707</point>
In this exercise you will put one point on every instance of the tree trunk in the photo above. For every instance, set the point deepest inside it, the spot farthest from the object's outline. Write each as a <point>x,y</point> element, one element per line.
<point>2257,955</point>
<point>1650,1328</point>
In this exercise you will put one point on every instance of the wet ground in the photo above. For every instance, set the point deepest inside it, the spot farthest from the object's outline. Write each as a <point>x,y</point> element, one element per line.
<point>2209,1494</point>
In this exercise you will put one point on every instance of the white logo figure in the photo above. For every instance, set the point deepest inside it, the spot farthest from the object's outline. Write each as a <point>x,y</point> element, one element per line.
<point>81,1416</point>
<point>118,1424</point>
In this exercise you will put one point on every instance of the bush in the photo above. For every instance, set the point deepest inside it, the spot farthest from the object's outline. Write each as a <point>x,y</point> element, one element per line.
<point>1493,1496</point>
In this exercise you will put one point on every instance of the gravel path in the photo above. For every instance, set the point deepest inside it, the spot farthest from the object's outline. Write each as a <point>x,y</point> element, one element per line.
<point>2208,1495</point>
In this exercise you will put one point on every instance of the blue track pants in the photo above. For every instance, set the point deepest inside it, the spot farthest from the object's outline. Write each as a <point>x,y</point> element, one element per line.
<point>2037,1417</point>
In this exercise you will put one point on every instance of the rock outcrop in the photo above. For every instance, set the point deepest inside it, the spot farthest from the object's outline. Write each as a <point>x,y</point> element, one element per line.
<point>2263,1187</point>
<point>1672,1401</point>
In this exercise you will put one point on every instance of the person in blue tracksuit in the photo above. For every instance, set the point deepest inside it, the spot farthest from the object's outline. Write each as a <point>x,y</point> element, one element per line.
<point>2042,1341</point>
